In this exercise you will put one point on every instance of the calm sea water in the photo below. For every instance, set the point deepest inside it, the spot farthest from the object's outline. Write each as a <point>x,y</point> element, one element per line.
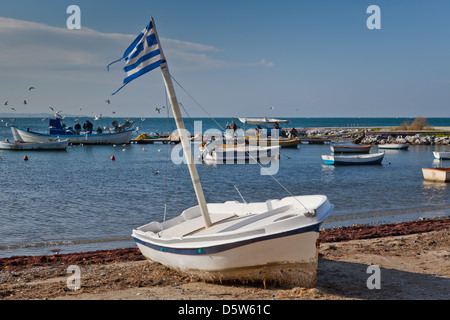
<point>80,200</point>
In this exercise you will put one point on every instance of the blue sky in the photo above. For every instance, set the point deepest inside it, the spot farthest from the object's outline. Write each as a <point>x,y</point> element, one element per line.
<point>236,58</point>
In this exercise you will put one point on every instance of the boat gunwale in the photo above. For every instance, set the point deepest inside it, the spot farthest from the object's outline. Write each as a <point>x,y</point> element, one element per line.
<point>248,234</point>
<point>71,135</point>
<point>216,248</point>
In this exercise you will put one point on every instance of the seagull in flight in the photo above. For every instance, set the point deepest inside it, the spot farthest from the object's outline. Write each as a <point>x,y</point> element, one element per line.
<point>107,101</point>
<point>52,109</point>
<point>271,108</point>
<point>97,117</point>
<point>24,101</point>
<point>159,109</point>
<point>31,88</point>
<point>6,103</point>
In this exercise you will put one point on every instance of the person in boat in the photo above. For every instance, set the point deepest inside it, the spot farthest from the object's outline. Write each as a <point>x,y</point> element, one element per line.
<point>99,130</point>
<point>87,126</point>
<point>292,133</point>
<point>77,128</point>
<point>233,126</point>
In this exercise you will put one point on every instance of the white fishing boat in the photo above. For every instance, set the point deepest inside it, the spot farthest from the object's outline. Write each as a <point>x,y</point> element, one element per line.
<point>350,149</point>
<point>438,174</point>
<point>50,145</point>
<point>238,154</point>
<point>363,159</point>
<point>273,240</point>
<point>116,135</point>
<point>441,155</point>
<point>269,130</point>
<point>394,146</point>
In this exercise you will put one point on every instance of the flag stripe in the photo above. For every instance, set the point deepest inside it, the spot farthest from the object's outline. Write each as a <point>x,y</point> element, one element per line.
<point>151,41</point>
<point>133,45</point>
<point>144,64</point>
<point>150,55</point>
<point>142,71</point>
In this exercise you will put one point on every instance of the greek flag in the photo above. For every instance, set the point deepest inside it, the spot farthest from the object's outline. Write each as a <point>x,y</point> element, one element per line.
<point>142,56</point>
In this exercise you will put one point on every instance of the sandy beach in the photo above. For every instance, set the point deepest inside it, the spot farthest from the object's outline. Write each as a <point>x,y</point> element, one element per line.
<point>413,260</point>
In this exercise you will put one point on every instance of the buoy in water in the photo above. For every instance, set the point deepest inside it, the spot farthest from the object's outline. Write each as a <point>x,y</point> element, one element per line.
<point>113,158</point>
<point>25,158</point>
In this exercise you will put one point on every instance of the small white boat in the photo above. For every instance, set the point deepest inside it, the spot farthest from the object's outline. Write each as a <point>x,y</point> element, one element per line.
<point>350,149</point>
<point>51,145</point>
<point>395,146</point>
<point>439,174</point>
<point>371,158</point>
<point>267,241</point>
<point>239,154</point>
<point>442,155</point>
<point>273,240</point>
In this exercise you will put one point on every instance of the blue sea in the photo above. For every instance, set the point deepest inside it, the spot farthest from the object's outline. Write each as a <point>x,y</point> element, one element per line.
<point>80,200</point>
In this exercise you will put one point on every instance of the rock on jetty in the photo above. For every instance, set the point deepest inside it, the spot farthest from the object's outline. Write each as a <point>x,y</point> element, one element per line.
<point>328,132</point>
<point>416,139</point>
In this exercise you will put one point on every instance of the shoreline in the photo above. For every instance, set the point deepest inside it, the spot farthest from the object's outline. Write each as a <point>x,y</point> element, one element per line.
<point>408,250</point>
<point>335,234</point>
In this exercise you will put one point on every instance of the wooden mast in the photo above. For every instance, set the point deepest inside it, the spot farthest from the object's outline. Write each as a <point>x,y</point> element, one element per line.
<point>185,141</point>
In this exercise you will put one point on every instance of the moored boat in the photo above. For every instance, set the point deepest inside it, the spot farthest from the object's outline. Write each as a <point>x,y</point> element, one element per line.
<point>118,135</point>
<point>50,145</point>
<point>394,146</point>
<point>350,149</point>
<point>364,159</point>
<point>441,155</point>
<point>439,174</point>
<point>265,135</point>
<point>239,154</point>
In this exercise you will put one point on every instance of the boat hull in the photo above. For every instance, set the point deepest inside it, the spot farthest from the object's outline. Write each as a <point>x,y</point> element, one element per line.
<point>54,145</point>
<point>293,260</point>
<point>282,142</point>
<point>284,251</point>
<point>442,155</point>
<point>238,155</point>
<point>393,146</point>
<point>103,138</point>
<point>436,174</point>
<point>350,149</point>
<point>369,159</point>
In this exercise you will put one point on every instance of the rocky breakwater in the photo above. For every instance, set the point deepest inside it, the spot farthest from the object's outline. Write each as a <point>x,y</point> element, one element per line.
<point>417,139</point>
<point>329,132</point>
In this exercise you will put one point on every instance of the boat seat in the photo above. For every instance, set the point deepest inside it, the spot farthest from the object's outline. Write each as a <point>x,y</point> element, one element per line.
<point>255,218</point>
<point>191,226</point>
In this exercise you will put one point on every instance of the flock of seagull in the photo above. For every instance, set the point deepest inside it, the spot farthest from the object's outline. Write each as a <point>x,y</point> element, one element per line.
<point>58,113</point>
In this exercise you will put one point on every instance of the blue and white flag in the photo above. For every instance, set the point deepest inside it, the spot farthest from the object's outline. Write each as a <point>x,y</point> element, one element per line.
<point>142,56</point>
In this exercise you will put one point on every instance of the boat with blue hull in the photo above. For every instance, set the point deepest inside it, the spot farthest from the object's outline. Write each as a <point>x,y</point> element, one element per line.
<point>116,135</point>
<point>364,159</point>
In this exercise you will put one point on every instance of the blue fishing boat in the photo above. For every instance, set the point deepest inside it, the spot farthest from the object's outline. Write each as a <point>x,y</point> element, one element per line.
<point>119,134</point>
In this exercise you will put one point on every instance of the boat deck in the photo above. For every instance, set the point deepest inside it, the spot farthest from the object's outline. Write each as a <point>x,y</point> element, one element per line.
<point>226,222</point>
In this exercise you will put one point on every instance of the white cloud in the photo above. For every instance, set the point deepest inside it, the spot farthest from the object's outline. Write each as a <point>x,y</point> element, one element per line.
<point>28,45</point>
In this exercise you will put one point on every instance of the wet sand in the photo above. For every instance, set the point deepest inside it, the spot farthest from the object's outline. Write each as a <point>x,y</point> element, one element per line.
<point>413,260</point>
